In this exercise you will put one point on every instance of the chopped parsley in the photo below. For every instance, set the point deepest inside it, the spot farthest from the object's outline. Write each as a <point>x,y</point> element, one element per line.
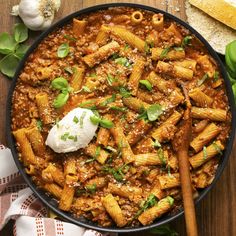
<point>73,137</point>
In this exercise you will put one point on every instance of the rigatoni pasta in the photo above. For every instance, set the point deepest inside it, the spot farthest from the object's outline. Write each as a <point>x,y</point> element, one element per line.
<point>131,70</point>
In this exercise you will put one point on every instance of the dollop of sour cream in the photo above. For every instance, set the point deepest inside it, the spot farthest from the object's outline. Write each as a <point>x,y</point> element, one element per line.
<point>73,132</point>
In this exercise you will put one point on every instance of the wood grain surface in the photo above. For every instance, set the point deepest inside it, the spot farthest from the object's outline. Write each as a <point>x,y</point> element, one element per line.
<point>216,214</point>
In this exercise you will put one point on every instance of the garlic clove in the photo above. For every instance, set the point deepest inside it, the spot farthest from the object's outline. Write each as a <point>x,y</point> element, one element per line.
<point>37,14</point>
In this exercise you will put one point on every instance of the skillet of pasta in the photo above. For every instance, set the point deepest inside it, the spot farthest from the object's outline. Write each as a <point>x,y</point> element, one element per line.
<point>96,108</point>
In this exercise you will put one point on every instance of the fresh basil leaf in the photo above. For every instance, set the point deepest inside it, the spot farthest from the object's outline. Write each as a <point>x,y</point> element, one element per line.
<point>63,50</point>
<point>178,49</point>
<point>116,108</point>
<point>108,100</point>
<point>156,144</point>
<point>217,147</point>
<point>164,230</point>
<point>234,91</point>
<point>146,83</point>
<point>123,61</point>
<point>161,156</point>
<point>20,33</point>
<point>154,111</point>
<point>8,65</point>
<point>164,52</point>
<point>61,100</point>
<point>21,50</point>
<point>125,93</point>
<point>7,43</point>
<point>59,83</point>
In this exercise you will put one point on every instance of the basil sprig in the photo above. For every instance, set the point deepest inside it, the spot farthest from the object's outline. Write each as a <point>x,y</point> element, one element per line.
<point>61,84</point>
<point>63,50</point>
<point>230,60</point>
<point>152,113</point>
<point>11,46</point>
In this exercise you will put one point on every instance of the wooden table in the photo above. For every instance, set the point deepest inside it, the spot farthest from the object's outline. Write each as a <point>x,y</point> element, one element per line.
<point>216,214</point>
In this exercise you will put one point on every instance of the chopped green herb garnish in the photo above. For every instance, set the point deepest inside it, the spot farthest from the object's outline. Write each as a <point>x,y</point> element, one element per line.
<point>81,119</point>
<point>126,46</point>
<point>146,48</point>
<point>123,61</point>
<point>86,89</point>
<point>109,148</point>
<point>168,170</point>
<point>63,50</point>
<point>72,137</point>
<point>75,119</point>
<point>160,154</point>
<point>156,144</point>
<point>154,111</point>
<point>103,122</point>
<point>202,80</point>
<point>65,136</point>
<point>150,202</point>
<point>90,160</point>
<point>94,75</point>
<point>97,152</point>
<point>69,70</point>
<point>164,230</point>
<point>57,122</point>
<point>66,36</point>
<point>178,49</point>
<point>186,41</point>
<point>91,188</point>
<point>39,125</point>
<point>170,200</point>
<point>216,76</point>
<point>111,79</point>
<point>122,109</point>
<point>108,100</point>
<point>164,52</point>
<point>61,84</point>
<point>125,93</point>
<point>117,173</point>
<point>146,83</point>
<point>204,153</point>
<point>217,147</point>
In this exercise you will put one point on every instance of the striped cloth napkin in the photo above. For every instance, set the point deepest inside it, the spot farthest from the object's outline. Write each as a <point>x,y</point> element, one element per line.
<point>18,202</point>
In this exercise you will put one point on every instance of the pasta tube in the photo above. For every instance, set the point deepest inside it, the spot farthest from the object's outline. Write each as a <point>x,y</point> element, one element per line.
<point>113,209</point>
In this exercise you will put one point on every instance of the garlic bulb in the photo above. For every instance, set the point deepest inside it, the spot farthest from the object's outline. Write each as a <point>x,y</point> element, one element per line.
<point>36,14</point>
